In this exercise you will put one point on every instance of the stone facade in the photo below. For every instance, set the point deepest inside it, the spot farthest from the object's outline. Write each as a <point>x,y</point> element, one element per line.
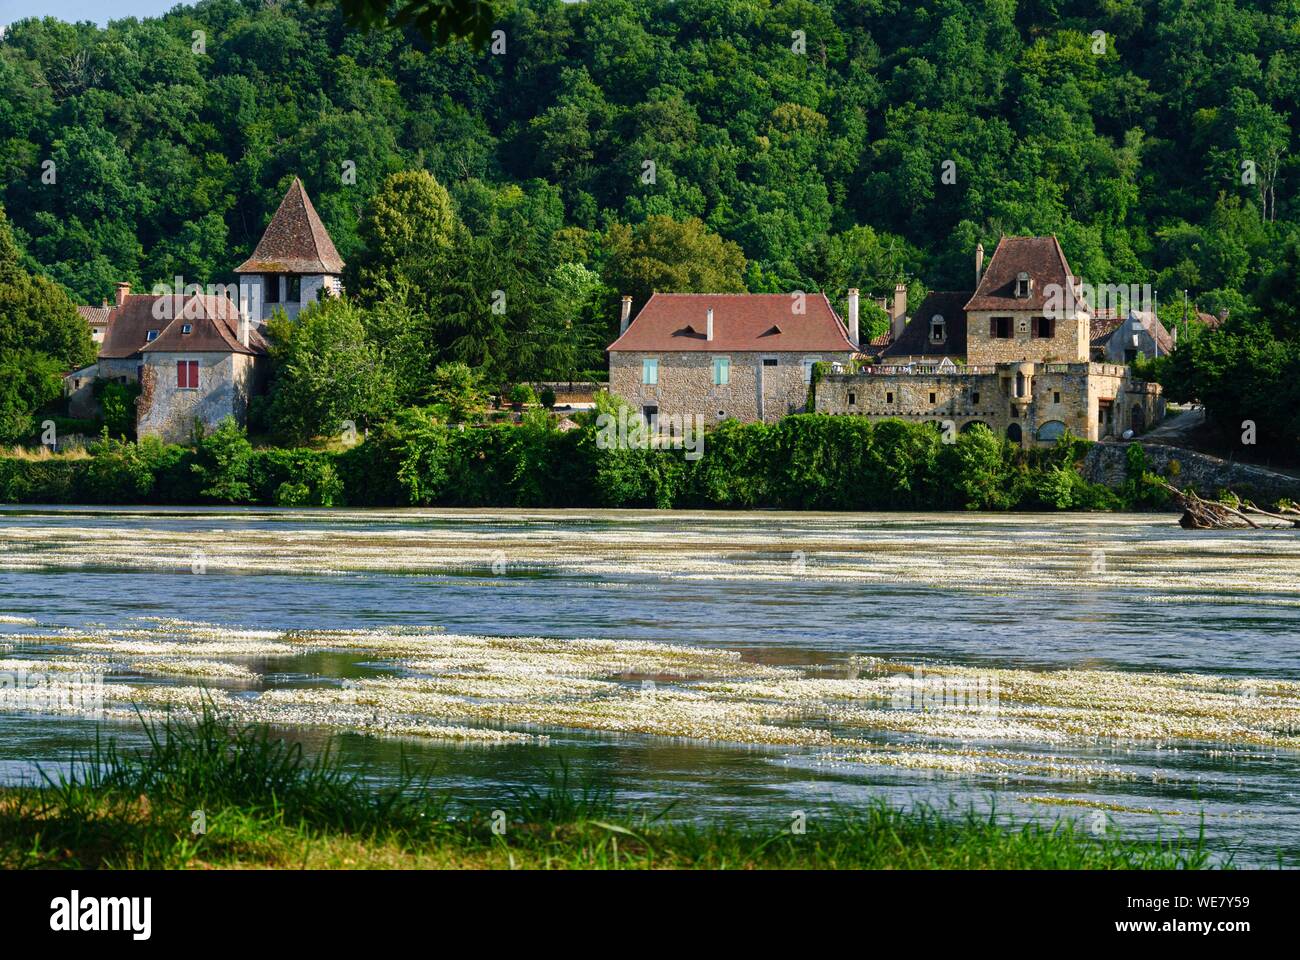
<point>768,345</point>
<point>761,386</point>
<point>253,289</point>
<point>1029,403</point>
<point>1068,342</point>
<point>171,412</point>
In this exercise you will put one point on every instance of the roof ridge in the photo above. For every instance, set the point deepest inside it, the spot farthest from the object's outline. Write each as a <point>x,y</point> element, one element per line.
<point>313,217</point>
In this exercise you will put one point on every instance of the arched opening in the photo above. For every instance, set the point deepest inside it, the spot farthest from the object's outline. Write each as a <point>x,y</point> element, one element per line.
<point>1139,419</point>
<point>1014,433</point>
<point>1051,430</point>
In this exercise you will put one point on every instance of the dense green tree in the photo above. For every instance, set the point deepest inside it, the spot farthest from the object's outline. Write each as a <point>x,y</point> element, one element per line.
<point>408,229</point>
<point>328,372</point>
<point>670,257</point>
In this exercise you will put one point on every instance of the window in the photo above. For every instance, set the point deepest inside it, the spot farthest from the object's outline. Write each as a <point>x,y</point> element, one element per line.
<point>808,368</point>
<point>1023,285</point>
<point>187,374</point>
<point>651,416</point>
<point>271,288</point>
<point>938,329</point>
<point>853,398</point>
<point>1130,356</point>
<point>1000,328</point>
<point>889,398</point>
<point>769,361</point>
<point>650,371</point>
<point>932,397</point>
<point>1044,328</point>
<point>1056,396</point>
<point>975,396</point>
<point>294,284</point>
<point>151,336</point>
<point>1020,384</point>
<point>1051,430</point>
<point>721,371</point>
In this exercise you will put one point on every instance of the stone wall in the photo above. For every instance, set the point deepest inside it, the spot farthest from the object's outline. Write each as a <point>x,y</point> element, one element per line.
<point>252,294</point>
<point>755,391</point>
<point>226,382</point>
<point>1068,343</point>
<point>1015,400</point>
<point>1108,463</point>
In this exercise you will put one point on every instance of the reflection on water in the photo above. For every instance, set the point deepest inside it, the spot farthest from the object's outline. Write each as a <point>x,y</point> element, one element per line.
<point>744,664</point>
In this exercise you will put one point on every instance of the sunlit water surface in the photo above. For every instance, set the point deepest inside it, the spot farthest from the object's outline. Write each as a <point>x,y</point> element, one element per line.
<point>743,665</point>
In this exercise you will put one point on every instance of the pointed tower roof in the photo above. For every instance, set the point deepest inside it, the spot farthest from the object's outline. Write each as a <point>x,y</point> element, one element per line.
<point>295,240</point>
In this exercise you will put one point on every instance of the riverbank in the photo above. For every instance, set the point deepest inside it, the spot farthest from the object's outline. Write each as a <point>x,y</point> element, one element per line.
<point>206,795</point>
<point>805,462</point>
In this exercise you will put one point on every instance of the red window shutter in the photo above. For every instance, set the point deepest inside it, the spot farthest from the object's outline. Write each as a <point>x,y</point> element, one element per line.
<point>180,374</point>
<point>194,374</point>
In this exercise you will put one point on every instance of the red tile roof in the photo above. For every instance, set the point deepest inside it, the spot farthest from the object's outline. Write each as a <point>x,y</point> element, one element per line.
<point>295,240</point>
<point>1040,257</point>
<point>95,316</point>
<point>214,323</point>
<point>758,322</point>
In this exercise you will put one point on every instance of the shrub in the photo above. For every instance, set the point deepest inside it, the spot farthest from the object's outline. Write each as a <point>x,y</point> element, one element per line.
<point>117,406</point>
<point>222,461</point>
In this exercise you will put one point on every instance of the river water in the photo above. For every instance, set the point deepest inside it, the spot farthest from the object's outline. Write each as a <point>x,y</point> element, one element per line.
<point>1109,668</point>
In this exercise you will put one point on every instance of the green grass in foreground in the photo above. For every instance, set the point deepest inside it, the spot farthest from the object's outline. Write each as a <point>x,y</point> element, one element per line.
<point>267,806</point>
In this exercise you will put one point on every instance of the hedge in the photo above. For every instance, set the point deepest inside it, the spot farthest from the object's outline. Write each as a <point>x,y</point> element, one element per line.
<point>805,462</point>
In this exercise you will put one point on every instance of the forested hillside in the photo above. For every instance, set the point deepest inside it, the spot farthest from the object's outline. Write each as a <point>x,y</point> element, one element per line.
<point>825,166</point>
<point>833,143</point>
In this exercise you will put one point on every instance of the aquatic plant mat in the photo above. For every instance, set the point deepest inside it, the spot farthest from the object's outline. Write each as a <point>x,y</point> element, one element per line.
<point>208,794</point>
<point>486,690</point>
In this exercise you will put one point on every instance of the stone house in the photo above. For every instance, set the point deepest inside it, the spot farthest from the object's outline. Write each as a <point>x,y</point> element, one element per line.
<point>97,320</point>
<point>1014,354</point>
<point>292,264</point>
<point>1122,337</point>
<point>195,358</point>
<point>200,357</point>
<point>726,355</point>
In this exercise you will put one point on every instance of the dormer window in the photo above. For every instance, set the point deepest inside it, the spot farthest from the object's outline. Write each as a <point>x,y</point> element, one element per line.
<point>938,330</point>
<point>1023,286</point>
<point>187,328</point>
<point>151,336</point>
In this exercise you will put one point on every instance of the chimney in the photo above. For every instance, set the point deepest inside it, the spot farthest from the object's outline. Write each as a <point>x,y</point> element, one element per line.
<point>853,316</point>
<point>123,290</point>
<point>244,328</point>
<point>899,316</point>
<point>979,263</point>
<point>625,318</point>
<point>708,325</point>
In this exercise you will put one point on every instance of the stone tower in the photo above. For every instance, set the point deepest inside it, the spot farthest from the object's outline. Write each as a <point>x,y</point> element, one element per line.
<point>293,263</point>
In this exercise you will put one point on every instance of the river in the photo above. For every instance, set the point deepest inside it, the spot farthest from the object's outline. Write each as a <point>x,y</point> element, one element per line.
<point>1111,668</point>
